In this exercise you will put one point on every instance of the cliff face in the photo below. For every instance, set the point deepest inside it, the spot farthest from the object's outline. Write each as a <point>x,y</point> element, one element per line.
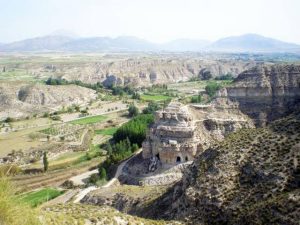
<point>146,71</point>
<point>252,177</point>
<point>266,93</point>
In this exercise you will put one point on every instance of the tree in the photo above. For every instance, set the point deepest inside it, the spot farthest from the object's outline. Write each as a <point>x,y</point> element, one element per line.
<point>205,74</point>
<point>133,110</point>
<point>45,161</point>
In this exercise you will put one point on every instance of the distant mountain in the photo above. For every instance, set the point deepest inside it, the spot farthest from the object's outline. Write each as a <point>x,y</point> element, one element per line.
<point>252,43</point>
<point>65,33</point>
<point>64,41</point>
<point>46,43</point>
<point>124,43</point>
<point>185,45</point>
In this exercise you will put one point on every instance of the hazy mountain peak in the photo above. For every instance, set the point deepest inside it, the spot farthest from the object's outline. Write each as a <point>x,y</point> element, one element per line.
<point>252,43</point>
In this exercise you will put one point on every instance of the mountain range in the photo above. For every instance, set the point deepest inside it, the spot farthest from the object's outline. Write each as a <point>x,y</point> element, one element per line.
<point>65,43</point>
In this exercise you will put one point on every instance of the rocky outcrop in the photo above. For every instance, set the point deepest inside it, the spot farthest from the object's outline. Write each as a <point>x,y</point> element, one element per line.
<point>22,99</point>
<point>252,177</point>
<point>266,93</point>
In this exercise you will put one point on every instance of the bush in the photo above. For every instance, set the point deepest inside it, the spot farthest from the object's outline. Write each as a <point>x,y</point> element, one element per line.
<point>196,99</point>
<point>151,108</point>
<point>94,178</point>
<point>102,173</point>
<point>227,76</point>
<point>55,117</point>
<point>212,88</point>
<point>133,110</point>
<point>9,120</point>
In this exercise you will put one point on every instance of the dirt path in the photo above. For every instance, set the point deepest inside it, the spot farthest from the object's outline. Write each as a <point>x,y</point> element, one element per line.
<point>79,179</point>
<point>85,191</point>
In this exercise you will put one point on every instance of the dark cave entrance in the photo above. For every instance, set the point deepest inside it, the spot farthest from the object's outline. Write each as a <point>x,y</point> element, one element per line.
<point>186,159</point>
<point>178,159</point>
<point>157,156</point>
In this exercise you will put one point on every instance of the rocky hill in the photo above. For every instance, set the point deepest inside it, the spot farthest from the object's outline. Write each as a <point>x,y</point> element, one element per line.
<point>18,99</point>
<point>252,177</point>
<point>266,92</point>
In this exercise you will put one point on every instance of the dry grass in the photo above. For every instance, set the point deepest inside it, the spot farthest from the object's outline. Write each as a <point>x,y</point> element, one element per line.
<point>12,210</point>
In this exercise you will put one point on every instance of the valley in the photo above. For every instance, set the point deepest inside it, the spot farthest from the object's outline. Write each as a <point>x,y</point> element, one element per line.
<point>151,139</point>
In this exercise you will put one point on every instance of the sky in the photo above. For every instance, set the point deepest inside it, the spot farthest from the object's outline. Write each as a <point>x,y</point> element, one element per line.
<point>153,20</point>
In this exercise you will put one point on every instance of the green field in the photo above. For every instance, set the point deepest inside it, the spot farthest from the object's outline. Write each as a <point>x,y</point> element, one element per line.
<point>38,197</point>
<point>155,97</point>
<point>107,131</point>
<point>89,120</point>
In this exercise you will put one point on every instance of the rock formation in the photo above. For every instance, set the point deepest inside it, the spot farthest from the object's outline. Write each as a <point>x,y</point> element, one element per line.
<point>266,93</point>
<point>22,99</point>
<point>182,132</point>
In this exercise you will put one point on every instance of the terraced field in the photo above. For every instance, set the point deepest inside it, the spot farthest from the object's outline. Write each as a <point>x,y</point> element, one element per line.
<point>89,120</point>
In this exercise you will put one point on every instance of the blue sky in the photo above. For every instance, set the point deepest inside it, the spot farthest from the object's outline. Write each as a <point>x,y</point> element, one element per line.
<point>154,20</point>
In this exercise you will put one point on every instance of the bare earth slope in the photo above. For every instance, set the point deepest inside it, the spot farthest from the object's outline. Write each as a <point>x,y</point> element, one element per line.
<point>19,99</point>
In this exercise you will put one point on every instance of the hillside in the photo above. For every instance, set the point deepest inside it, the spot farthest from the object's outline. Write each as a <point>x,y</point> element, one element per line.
<point>266,92</point>
<point>19,99</point>
<point>252,43</point>
<point>62,42</point>
<point>252,177</point>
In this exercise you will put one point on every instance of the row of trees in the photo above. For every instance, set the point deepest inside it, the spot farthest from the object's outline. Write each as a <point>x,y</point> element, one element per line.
<point>135,129</point>
<point>126,140</point>
<point>60,81</point>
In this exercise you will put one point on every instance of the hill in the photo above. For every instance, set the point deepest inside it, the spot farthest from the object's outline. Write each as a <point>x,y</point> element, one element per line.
<point>252,43</point>
<point>252,177</point>
<point>46,43</point>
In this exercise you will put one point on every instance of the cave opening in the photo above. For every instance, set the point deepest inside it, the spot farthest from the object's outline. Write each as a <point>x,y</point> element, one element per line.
<point>178,159</point>
<point>157,156</point>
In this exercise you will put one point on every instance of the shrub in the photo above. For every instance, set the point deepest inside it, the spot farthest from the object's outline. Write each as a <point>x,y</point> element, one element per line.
<point>227,76</point>
<point>151,108</point>
<point>196,99</point>
<point>9,120</point>
<point>212,88</point>
<point>102,173</point>
<point>133,110</point>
